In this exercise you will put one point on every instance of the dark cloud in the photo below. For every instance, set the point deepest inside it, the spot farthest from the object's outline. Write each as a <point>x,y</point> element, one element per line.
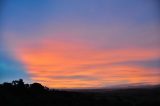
<point>81,77</point>
<point>153,63</point>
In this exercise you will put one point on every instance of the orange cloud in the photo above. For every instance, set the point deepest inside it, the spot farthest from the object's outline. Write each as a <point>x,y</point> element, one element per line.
<point>60,62</point>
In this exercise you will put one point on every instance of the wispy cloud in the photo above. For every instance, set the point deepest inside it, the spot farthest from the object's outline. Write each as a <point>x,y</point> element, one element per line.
<point>54,62</point>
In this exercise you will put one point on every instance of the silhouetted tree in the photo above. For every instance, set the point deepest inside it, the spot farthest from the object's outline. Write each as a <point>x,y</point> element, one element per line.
<point>18,83</point>
<point>7,85</point>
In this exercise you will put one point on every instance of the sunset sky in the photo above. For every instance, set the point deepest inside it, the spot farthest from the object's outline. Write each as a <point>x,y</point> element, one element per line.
<point>80,43</point>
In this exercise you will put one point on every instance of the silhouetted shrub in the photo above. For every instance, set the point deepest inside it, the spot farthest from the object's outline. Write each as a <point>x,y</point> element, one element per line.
<point>37,86</point>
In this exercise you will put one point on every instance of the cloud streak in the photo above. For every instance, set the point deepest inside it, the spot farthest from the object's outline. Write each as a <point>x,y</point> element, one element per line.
<point>63,64</point>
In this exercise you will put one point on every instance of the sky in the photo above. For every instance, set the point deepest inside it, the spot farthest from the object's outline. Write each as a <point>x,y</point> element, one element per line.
<point>80,43</point>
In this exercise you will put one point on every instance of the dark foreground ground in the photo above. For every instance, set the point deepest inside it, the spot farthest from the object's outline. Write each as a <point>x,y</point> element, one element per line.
<point>19,94</point>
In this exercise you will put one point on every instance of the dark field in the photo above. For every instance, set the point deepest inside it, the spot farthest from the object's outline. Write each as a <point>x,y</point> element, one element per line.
<point>19,94</point>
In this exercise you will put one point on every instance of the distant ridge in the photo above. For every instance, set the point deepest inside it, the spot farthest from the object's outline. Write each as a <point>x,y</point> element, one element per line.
<point>17,93</point>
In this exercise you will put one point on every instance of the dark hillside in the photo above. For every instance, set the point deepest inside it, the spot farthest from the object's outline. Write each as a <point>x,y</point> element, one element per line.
<point>19,94</point>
